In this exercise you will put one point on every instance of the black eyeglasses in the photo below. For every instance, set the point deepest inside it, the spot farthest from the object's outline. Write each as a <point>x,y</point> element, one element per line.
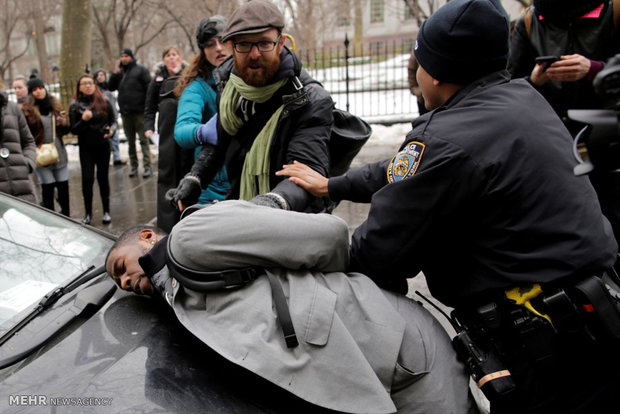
<point>262,46</point>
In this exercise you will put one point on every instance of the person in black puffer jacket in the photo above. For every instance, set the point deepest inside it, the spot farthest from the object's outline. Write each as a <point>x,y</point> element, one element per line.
<point>93,121</point>
<point>17,152</point>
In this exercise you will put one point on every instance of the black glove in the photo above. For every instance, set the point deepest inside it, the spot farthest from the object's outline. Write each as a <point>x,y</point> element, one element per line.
<point>188,192</point>
<point>272,200</point>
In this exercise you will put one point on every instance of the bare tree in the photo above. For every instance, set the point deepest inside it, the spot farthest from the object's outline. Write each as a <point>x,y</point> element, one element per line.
<point>113,19</point>
<point>11,20</point>
<point>75,50</point>
<point>38,32</point>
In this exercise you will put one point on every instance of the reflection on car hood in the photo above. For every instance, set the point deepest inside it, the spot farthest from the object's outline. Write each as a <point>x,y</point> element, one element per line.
<point>134,356</point>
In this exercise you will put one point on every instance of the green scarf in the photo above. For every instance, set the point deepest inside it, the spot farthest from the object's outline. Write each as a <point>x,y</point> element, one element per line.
<point>257,162</point>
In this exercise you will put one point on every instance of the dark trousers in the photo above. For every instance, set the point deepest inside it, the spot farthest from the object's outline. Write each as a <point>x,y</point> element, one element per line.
<point>134,124</point>
<point>47,191</point>
<point>95,158</point>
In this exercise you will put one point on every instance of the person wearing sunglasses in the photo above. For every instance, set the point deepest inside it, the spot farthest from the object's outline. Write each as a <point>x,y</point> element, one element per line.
<point>270,113</point>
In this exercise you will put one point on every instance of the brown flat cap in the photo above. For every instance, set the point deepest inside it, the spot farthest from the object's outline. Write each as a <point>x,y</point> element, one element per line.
<point>253,17</point>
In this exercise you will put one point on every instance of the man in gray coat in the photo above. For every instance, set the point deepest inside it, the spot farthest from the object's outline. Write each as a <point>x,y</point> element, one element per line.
<point>359,349</point>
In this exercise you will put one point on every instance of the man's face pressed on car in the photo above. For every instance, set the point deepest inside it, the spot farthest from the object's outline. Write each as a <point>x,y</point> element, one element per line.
<point>258,64</point>
<point>122,264</point>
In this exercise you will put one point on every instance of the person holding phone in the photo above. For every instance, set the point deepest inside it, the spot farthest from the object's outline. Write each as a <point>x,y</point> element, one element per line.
<point>93,120</point>
<point>560,45</point>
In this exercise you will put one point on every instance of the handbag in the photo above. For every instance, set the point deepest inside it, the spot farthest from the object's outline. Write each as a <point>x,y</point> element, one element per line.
<point>47,154</point>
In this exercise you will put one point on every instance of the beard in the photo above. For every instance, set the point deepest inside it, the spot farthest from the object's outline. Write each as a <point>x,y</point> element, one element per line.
<point>247,70</point>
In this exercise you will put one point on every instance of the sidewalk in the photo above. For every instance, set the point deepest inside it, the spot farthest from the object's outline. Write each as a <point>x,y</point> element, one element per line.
<point>132,200</point>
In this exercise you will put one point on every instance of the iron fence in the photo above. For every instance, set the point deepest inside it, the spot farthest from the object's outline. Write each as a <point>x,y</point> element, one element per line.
<point>369,80</point>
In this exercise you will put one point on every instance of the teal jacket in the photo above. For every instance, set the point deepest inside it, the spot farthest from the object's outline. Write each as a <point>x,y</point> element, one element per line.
<point>196,106</point>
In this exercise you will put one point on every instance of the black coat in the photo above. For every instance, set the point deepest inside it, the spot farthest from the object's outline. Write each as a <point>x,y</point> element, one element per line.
<point>489,201</point>
<point>595,38</point>
<point>15,169</point>
<point>302,134</point>
<point>174,161</point>
<point>132,82</point>
<point>90,133</point>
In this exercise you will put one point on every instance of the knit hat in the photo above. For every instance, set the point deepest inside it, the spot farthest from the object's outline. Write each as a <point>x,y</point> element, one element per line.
<point>564,11</point>
<point>464,40</point>
<point>208,28</point>
<point>255,16</point>
<point>127,51</point>
<point>34,83</point>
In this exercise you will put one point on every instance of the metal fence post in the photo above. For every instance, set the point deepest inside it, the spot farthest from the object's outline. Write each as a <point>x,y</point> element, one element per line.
<point>346,64</point>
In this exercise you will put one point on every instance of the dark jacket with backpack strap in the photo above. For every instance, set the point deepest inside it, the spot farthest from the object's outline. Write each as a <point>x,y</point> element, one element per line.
<point>596,38</point>
<point>302,134</point>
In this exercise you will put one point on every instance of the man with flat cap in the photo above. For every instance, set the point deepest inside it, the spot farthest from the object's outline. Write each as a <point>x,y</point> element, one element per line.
<point>270,113</point>
<point>482,198</point>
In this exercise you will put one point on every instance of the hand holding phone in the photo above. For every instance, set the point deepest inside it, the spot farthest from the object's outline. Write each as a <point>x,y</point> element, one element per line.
<point>546,60</point>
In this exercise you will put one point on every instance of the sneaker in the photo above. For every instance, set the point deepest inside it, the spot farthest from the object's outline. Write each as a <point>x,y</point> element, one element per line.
<point>133,172</point>
<point>106,218</point>
<point>120,162</point>
<point>86,219</point>
<point>147,173</point>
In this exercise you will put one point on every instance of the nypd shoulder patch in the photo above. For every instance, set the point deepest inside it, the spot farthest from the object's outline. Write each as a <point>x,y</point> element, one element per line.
<point>406,162</point>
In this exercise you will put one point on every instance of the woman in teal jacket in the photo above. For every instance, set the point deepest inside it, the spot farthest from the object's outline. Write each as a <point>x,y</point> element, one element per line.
<point>197,97</point>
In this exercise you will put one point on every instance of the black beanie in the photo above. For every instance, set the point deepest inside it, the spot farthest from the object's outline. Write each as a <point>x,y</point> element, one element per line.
<point>127,51</point>
<point>464,40</point>
<point>34,83</point>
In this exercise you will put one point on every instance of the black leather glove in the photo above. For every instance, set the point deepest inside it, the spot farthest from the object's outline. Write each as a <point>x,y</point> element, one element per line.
<point>272,200</point>
<point>188,192</point>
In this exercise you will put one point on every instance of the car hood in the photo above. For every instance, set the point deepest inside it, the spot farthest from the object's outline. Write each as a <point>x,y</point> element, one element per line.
<point>132,356</point>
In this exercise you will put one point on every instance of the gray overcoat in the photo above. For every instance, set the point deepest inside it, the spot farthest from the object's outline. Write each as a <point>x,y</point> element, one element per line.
<point>361,349</point>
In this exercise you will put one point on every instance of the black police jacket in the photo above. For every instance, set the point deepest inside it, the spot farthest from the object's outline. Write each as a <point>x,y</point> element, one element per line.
<point>302,134</point>
<point>595,38</point>
<point>481,197</point>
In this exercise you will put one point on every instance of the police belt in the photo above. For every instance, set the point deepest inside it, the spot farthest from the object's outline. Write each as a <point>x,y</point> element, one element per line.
<point>589,308</point>
<point>202,281</point>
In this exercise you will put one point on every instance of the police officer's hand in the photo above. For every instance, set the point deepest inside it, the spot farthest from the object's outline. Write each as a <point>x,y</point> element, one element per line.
<point>306,178</point>
<point>186,194</point>
<point>569,68</point>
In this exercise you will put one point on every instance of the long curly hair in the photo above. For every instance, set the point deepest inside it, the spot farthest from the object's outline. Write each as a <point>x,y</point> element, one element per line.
<point>199,66</point>
<point>98,102</point>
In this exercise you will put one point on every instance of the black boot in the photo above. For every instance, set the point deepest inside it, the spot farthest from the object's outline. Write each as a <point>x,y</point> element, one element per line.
<point>63,197</point>
<point>47,191</point>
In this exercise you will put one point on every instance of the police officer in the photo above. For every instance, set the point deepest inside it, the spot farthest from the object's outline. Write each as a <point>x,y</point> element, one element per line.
<point>482,198</point>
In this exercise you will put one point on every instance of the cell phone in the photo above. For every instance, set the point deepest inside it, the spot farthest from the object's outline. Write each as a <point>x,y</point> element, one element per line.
<point>546,59</point>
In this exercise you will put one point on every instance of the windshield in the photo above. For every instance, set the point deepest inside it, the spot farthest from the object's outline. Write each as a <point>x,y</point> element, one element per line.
<point>39,251</point>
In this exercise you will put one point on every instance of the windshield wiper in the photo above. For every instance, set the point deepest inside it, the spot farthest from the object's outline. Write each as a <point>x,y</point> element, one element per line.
<point>89,298</point>
<point>51,297</point>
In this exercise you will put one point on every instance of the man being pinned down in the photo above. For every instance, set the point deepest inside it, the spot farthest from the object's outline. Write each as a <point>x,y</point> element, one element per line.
<point>348,345</point>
